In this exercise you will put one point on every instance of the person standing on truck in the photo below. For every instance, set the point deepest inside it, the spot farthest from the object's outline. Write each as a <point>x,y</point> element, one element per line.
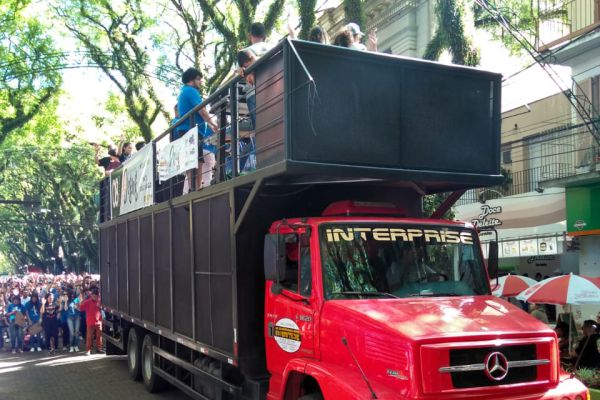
<point>93,321</point>
<point>189,97</point>
<point>357,35</point>
<point>246,57</point>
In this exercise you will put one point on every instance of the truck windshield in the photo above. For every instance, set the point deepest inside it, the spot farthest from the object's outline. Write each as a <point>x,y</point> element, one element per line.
<point>367,261</point>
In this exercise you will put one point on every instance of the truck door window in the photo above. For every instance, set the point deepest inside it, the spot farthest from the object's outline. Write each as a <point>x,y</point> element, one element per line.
<point>298,276</point>
<point>291,258</point>
<point>305,271</point>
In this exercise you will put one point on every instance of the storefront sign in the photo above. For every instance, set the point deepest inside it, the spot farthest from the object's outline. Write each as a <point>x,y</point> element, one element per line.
<point>178,156</point>
<point>484,220</point>
<point>510,249</point>
<point>579,224</point>
<point>547,246</point>
<point>528,247</point>
<point>536,259</point>
<point>132,184</point>
<point>583,213</point>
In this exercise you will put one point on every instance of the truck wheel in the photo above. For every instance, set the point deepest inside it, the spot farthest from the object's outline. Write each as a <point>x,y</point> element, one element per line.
<point>312,396</point>
<point>134,356</point>
<point>153,382</point>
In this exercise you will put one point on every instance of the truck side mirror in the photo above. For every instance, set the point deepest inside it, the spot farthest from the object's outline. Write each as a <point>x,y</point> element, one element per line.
<point>274,258</point>
<point>493,260</point>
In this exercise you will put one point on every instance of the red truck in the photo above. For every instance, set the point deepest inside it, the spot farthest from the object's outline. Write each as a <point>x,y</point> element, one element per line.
<point>318,276</point>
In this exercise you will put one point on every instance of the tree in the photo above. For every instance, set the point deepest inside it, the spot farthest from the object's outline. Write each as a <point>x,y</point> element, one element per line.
<point>307,17</point>
<point>523,15</point>
<point>232,26</point>
<point>354,11</point>
<point>450,35</point>
<point>28,65</point>
<point>64,179</point>
<point>112,33</point>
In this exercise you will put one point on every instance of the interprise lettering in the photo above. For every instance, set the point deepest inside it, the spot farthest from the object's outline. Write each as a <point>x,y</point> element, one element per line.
<point>399,234</point>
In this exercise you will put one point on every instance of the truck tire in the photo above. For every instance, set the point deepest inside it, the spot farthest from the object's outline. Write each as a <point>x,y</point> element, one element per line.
<point>152,382</point>
<point>134,355</point>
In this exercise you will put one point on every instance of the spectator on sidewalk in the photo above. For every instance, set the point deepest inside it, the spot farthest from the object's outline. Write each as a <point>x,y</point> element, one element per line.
<point>62,318</point>
<point>538,312</point>
<point>3,324</point>
<point>33,308</point>
<point>50,321</point>
<point>73,321</point>
<point>16,317</point>
<point>93,322</point>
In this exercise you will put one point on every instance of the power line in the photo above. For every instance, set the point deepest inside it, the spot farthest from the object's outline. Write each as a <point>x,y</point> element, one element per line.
<point>575,100</point>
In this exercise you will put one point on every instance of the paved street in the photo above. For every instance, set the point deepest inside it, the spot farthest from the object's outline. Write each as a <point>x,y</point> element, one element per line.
<point>36,376</point>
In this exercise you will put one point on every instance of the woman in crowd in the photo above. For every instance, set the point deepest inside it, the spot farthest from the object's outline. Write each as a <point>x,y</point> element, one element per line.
<point>62,318</point>
<point>71,310</point>
<point>33,309</point>
<point>50,312</point>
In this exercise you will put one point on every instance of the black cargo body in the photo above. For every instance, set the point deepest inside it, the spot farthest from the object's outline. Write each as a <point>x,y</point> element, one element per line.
<point>360,114</point>
<point>335,124</point>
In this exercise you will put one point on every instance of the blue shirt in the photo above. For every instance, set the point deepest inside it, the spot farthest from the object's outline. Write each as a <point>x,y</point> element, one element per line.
<point>12,307</point>
<point>33,311</point>
<point>73,308</point>
<point>189,97</point>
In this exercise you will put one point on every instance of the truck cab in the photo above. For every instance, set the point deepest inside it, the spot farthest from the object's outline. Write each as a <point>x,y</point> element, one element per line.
<point>371,304</point>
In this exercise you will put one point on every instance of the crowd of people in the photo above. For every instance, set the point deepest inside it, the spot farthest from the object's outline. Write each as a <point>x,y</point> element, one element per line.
<point>190,97</point>
<point>50,312</point>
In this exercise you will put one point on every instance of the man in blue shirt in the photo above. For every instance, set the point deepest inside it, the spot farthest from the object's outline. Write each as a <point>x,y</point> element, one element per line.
<point>189,97</point>
<point>32,309</point>
<point>15,327</point>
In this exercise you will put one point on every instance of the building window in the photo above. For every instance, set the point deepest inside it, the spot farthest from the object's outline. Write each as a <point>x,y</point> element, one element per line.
<point>506,157</point>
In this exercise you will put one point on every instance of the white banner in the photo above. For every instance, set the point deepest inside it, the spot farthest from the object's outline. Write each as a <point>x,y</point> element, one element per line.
<point>178,156</point>
<point>132,184</point>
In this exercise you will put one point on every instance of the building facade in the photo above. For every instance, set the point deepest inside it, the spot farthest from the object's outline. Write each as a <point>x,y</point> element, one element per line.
<point>404,27</point>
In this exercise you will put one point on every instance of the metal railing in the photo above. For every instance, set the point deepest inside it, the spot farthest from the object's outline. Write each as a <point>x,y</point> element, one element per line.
<point>223,155</point>
<point>537,178</point>
<point>562,20</point>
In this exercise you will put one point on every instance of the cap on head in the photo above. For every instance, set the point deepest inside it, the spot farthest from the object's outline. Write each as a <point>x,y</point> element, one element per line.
<point>355,29</point>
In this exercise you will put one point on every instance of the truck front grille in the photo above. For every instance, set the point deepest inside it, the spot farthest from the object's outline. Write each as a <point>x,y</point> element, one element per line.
<point>467,366</point>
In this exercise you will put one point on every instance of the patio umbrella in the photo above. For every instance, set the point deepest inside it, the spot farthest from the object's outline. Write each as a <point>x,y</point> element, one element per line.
<point>511,285</point>
<point>565,289</point>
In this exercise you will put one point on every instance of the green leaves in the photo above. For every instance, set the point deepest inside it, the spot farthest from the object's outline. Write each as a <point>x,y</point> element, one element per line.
<point>450,35</point>
<point>29,78</point>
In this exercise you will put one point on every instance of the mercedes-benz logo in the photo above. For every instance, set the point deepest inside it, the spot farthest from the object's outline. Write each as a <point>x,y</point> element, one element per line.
<point>496,366</point>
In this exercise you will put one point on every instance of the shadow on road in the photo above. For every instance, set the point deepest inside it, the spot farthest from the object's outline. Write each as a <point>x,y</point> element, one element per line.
<point>72,376</point>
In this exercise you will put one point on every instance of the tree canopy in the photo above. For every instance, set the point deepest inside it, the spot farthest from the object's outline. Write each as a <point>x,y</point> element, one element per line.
<point>28,67</point>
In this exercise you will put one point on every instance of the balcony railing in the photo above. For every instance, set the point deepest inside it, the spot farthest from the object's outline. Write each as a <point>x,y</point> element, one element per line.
<point>532,179</point>
<point>560,21</point>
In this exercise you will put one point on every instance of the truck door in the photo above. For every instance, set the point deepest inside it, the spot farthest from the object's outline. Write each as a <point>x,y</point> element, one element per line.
<point>289,313</point>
